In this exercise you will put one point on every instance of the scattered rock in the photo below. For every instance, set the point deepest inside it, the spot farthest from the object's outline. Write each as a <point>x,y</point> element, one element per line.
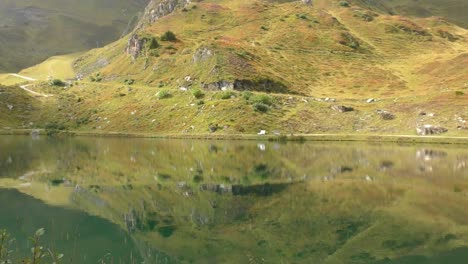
<point>10,107</point>
<point>221,85</point>
<point>213,128</point>
<point>385,115</point>
<point>202,54</point>
<point>341,169</point>
<point>430,130</point>
<point>370,100</point>
<point>262,133</point>
<point>341,108</point>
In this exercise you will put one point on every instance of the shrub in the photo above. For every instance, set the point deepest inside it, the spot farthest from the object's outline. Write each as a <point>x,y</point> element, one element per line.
<point>344,4</point>
<point>129,81</point>
<point>54,126</point>
<point>153,44</point>
<point>226,95</point>
<point>168,36</point>
<point>264,28</point>
<point>260,107</point>
<point>459,93</point>
<point>247,95</point>
<point>197,93</point>
<point>163,94</point>
<point>96,78</point>
<point>57,82</point>
<point>262,99</point>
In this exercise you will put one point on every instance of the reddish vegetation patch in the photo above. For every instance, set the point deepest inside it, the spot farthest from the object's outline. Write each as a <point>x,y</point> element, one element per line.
<point>211,7</point>
<point>228,41</point>
<point>406,25</point>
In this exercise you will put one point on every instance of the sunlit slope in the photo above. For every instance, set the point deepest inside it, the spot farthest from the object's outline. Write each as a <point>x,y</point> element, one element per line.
<point>323,50</point>
<point>300,55</point>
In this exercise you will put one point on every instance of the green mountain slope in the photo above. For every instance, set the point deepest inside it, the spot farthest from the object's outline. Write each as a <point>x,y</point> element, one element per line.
<point>290,55</point>
<point>31,31</point>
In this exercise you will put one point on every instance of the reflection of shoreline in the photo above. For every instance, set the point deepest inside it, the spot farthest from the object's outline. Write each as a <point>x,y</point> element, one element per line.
<point>296,137</point>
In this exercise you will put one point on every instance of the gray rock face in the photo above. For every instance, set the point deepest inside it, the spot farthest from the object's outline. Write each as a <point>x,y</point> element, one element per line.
<point>341,108</point>
<point>160,8</point>
<point>221,85</point>
<point>262,85</point>
<point>430,130</point>
<point>155,10</point>
<point>202,54</point>
<point>134,46</point>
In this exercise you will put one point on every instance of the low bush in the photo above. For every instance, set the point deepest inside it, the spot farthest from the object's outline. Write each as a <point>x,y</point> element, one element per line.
<point>164,94</point>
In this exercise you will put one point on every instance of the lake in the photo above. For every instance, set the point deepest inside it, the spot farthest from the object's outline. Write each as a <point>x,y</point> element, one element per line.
<point>116,200</point>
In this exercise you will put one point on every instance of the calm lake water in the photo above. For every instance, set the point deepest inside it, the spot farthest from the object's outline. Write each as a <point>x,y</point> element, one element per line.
<point>110,200</point>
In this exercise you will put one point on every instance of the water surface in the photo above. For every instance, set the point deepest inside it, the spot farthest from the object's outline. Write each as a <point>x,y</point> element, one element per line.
<point>192,201</point>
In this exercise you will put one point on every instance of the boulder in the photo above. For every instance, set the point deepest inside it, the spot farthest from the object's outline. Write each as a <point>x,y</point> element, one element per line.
<point>213,128</point>
<point>385,115</point>
<point>341,108</point>
<point>202,54</point>
<point>430,130</point>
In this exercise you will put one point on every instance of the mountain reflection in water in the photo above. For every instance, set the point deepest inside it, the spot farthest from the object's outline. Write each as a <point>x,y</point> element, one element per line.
<point>192,201</point>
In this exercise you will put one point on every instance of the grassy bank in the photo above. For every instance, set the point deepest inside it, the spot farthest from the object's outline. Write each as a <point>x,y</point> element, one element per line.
<point>300,137</point>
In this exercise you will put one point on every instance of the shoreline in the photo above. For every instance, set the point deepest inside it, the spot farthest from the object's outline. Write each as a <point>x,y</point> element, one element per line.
<point>298,137</point>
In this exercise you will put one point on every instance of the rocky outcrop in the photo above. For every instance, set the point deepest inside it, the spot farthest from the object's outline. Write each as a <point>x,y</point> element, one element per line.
<point>202,54</point>
<point>261,85</point>
<point>134,46</point>
<point>385,115</point>
<point>341,108</point>
<point>155,10</point>
<point>160,8</point>
<point>430,130</point>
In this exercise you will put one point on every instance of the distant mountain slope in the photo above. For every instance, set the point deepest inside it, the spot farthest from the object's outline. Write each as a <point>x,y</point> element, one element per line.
<point>455,11</point>
<point>31,31</point>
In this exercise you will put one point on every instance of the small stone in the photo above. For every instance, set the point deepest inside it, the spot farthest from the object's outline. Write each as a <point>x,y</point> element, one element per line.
<point>262,133</point>
<point>341,108</point>
<point>385,115</point>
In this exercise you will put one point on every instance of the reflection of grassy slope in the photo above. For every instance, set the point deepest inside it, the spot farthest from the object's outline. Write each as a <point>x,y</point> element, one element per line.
<point>334,221</point>
<point>31,31</point>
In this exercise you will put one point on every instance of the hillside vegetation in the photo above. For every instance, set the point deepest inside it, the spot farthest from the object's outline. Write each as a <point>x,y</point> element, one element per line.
<point>242,66</point>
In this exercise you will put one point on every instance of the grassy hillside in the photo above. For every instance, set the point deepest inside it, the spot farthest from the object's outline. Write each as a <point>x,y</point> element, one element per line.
<point>290,55</point>
<point>31,31</point>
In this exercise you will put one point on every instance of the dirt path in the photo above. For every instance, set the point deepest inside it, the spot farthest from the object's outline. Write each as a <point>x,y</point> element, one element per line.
<point>25,87</point>
<point>22,77</point>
